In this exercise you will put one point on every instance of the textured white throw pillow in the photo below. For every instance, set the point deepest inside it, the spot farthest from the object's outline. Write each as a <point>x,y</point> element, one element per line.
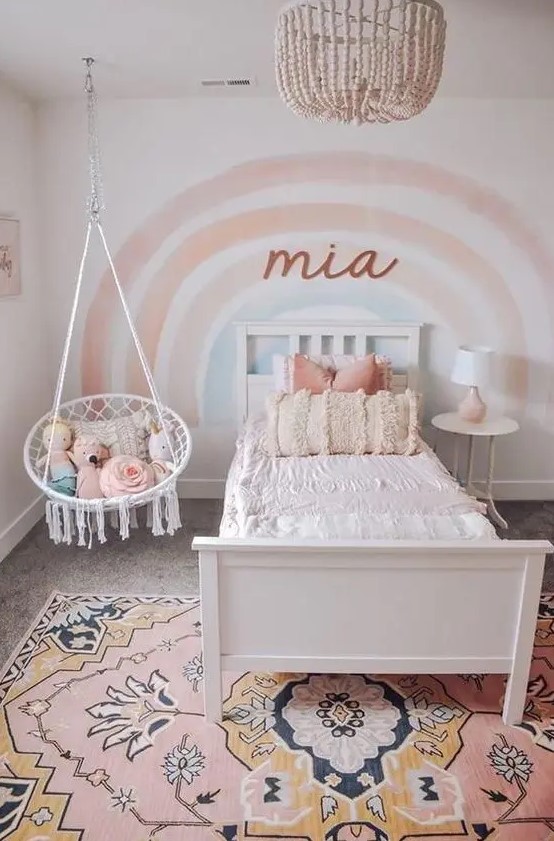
<point>305,424</point>
<point>126,436</point>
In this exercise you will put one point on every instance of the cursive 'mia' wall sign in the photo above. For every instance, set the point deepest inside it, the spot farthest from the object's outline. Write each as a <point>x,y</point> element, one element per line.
<point>364,264</point>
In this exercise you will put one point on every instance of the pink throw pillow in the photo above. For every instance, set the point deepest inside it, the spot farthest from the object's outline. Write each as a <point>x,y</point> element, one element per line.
<point>337,362</point>
<point>308,374</point>
<point>363,374</point>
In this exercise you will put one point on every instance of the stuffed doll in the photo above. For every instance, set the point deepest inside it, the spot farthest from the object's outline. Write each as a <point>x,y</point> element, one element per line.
<point>88,455</point>
<point>159,449</point>
<point>62,471</point>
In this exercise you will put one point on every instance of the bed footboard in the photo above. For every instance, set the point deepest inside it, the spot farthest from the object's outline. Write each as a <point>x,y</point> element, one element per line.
<point>381,607</point>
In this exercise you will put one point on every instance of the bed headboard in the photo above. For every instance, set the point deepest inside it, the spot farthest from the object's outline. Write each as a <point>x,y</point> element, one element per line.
<point>258,341</point>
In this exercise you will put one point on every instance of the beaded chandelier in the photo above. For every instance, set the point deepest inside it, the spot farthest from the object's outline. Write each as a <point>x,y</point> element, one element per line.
<point>359,61</point>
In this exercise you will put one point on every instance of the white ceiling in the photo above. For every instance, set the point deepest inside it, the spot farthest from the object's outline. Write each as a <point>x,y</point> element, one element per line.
<point>163,48</point>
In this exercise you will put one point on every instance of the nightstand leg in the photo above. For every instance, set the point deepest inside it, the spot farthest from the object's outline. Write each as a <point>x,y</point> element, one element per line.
<point>469,470</point>
<point>494,515</point>
<point>456,455</point>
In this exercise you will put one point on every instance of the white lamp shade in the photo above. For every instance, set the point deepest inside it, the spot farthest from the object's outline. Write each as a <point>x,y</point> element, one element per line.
<point>472,365</point>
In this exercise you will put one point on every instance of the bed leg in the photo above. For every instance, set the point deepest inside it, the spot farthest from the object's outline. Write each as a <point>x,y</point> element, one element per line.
<point>211,646</point>
<point>516,690</point>
<point>515,698</point>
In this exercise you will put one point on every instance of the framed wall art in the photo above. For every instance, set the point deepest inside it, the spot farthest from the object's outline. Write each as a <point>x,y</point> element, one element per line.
<point>10,269</point>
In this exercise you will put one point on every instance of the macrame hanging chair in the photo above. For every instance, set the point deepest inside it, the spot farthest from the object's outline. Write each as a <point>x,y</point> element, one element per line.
<point>71,517</point>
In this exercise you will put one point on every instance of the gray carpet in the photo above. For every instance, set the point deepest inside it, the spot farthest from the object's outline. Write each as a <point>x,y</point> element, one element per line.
<point>155,565</point>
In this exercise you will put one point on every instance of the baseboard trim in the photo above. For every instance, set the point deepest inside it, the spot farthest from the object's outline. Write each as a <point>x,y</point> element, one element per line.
<point>23,524</point>
<point>201,488</point>
<point>522,489</point>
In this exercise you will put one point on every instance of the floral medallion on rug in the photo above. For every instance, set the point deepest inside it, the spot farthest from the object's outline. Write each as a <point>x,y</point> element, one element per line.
<point>103,738</point>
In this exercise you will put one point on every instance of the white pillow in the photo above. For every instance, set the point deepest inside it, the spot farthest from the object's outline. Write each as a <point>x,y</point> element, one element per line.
<point>335,422</point>
<point>281,375</point>
<point>125,436</point>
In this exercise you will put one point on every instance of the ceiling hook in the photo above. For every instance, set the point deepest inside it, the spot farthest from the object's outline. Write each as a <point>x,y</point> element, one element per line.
<point>88,78</point>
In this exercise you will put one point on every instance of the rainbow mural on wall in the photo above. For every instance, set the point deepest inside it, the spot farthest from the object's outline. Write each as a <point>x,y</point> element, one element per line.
<point>468,265</point>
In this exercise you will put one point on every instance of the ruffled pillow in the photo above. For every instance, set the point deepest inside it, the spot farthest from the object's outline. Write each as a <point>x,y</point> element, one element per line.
<point>123,475</point>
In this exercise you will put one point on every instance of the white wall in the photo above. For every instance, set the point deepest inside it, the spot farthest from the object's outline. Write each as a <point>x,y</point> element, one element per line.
<point>156,151</point>
<point>24,366</point>
<point>463,195</point>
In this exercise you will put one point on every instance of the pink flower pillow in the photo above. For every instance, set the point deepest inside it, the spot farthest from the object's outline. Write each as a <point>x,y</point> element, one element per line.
<point>123,475</point>
<point>362,374</point>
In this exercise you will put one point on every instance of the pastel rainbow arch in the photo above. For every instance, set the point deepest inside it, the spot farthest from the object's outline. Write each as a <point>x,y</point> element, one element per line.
<point>208,245</point>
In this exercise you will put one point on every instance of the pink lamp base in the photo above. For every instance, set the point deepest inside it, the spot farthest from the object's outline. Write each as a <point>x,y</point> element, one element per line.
<point>472,408</point>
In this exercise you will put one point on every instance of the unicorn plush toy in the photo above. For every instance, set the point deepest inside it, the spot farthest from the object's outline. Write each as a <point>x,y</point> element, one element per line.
<point>159,449</point>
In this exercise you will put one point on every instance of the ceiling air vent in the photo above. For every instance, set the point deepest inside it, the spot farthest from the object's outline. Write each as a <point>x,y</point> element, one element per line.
<point>239,82</point>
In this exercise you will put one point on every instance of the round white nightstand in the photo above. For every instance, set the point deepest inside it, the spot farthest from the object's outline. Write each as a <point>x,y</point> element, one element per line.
<point>452,422</point>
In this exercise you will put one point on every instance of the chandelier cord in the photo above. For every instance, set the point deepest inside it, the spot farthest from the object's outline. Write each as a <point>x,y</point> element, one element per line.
<point>96,196</point>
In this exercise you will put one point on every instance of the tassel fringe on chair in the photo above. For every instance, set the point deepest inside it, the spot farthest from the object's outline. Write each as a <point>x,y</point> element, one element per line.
<point>87,519</point>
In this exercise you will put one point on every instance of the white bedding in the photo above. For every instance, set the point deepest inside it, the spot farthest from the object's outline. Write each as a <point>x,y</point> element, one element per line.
<point>341,497</point>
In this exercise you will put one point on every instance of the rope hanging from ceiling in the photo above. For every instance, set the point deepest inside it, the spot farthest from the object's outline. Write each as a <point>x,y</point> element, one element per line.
<point>47,453</point>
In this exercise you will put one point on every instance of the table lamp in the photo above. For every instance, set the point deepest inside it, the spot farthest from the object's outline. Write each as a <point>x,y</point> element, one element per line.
<point>471,368</point>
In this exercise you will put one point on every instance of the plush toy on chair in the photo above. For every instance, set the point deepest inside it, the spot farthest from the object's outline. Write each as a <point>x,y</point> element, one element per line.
<point>62,474</point>
<point>159,448</point>
<point>88,455</point>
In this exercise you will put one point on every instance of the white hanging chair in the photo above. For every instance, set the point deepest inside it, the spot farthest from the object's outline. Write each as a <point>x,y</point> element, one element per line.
<point>67,515</point>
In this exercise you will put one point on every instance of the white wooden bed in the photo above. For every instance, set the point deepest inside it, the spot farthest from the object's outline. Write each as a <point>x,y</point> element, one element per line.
<point>379,607</point>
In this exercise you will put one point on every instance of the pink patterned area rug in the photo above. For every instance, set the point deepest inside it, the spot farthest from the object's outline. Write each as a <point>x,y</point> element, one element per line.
<point>102,738</point>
